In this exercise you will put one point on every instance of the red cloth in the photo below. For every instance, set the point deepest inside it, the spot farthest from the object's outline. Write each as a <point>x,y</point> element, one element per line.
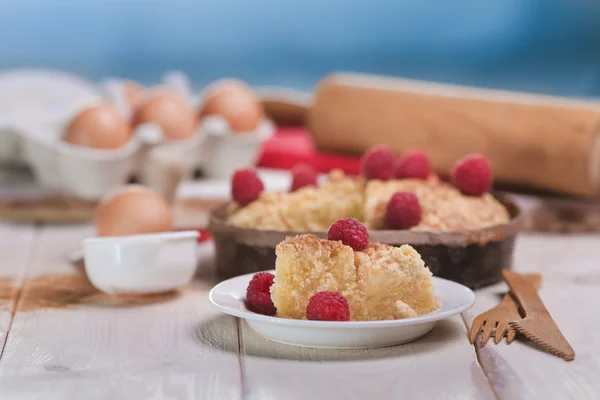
<point>290,146</point>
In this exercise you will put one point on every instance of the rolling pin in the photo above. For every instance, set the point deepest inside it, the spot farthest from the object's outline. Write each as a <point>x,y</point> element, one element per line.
<point>532,141</point>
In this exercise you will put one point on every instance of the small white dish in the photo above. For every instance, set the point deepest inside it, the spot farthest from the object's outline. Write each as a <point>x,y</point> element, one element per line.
<point>222,151</point>
<point>141,264</point>
<point>229,296</point>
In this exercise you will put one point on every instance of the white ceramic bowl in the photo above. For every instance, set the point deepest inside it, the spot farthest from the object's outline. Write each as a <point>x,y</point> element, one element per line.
<point>141,264</point>
<point>229,296</point>
<point>222,151</point>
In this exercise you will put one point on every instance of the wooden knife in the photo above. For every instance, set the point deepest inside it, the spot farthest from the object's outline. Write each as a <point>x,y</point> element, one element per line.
<point>537,325</point>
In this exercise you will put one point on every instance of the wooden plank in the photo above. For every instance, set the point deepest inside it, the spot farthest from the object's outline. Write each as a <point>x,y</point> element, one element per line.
<point>16,242</point>
<point>442,365</point>
<point>570,291</point>
<point>65,334</point>
<point>168,382</point>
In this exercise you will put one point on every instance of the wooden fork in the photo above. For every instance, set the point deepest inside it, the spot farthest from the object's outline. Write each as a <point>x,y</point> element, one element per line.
<point>500,317</point>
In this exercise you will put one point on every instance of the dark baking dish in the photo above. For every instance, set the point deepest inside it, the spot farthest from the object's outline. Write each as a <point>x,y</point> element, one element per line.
<point>473,258</point>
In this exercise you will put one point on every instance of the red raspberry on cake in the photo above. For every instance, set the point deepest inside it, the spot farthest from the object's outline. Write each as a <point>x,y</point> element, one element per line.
<point>258,294</point>
<point>378,163</point>
<point>350,232</point>
<point>303,175</point>
<point>412,164</point>
<point>472,175</point>
<point>403,211</point>
<point>328,306</point>
<point>246,186</point>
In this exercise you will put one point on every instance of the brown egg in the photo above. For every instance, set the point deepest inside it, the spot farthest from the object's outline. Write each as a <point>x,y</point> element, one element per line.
<point>171,113</point>
<point>236,102</point>
<point>134,92</point>
<point>100,127</point>
<point>131,211</point>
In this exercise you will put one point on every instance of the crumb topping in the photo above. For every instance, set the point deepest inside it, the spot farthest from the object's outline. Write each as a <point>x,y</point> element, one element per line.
<point>308,209</point>
<point>312,209</point>
<point>444,208</point>
<point>266,213</point>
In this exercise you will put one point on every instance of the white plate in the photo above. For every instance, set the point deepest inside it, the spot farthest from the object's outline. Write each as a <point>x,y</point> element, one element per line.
<point>229,296</point>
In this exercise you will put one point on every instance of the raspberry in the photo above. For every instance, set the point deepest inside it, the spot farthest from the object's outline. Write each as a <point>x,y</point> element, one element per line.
<point>351,232</point>
<point>328,306</point>
<point>378,163</point>
<point>472,175</point>
<point>403,211</point>
<point>303,175</point>
<point>258,295</point>
<point>412,164</point>
<point>246,186</point>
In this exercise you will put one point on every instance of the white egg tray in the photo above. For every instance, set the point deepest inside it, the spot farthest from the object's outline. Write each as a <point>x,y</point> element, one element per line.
<point>36,106</point>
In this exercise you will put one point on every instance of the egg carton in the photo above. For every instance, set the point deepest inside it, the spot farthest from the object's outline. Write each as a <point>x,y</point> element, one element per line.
<point>31,134</point>
<point>37,97</point>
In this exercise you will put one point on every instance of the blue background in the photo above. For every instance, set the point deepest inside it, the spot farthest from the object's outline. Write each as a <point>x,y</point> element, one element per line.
<point>550,46</point>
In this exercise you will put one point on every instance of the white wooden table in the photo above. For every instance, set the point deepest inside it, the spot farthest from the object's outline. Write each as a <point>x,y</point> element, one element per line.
<point>56,346</point>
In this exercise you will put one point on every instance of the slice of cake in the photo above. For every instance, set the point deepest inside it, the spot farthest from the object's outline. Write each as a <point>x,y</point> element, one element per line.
<point>307,265</point>
<point>381,282</point>
<point>394,283</point>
